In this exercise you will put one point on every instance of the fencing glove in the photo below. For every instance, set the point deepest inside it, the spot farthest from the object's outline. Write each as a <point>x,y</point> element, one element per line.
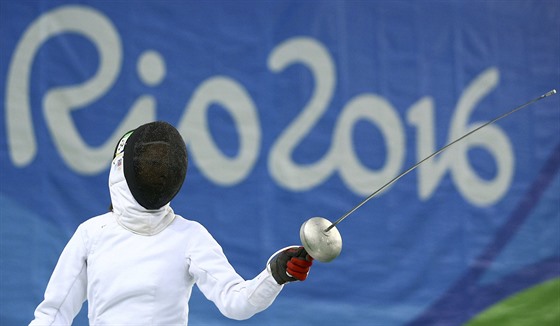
<point>290,264</point>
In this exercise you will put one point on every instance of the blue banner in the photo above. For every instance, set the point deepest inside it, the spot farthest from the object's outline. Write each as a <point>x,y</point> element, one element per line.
<point>296,109</point>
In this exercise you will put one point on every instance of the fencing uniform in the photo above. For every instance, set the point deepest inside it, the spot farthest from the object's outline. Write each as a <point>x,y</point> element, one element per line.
<point>137,266</point>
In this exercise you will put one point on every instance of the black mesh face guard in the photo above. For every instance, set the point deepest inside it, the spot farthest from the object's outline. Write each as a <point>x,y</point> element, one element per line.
<point>155,164</point>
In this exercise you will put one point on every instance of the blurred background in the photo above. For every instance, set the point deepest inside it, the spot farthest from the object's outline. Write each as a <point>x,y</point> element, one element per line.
<point>296,109</point>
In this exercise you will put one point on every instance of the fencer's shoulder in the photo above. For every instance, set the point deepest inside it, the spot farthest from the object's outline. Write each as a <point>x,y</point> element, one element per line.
<point>92,227</point>
<point>191,227</point>
<point>96,222</point>
<point>199,240</point>
<point>187,224</point>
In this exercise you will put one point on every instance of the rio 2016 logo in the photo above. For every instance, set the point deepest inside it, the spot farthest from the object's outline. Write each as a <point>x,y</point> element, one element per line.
<point>341,157</point>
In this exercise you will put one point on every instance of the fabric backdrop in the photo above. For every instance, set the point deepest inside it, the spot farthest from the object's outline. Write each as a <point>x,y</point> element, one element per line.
<point>296,109</point>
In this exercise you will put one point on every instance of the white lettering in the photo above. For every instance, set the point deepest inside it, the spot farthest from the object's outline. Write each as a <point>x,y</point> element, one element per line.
<point>194,127</point>
<point>476,190</point>
<point>380,113</point>
<point>341,156</point>
<point>60,102</point>
<point>283,169</point>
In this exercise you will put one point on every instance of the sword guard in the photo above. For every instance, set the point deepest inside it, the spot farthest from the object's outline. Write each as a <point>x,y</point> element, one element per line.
<point>320,244</point>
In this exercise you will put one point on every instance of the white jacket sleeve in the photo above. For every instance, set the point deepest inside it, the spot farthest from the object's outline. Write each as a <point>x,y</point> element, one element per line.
<point>67,287</point>
<point>219,282</point>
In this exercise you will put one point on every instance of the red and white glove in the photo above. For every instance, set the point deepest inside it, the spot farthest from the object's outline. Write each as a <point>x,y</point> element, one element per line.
<point>291,264</point>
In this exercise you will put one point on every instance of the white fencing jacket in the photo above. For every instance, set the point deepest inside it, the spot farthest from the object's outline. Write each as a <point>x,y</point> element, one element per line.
<point>138,267</point>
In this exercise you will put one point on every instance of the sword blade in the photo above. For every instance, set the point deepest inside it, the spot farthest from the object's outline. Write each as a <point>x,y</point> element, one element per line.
<point>375,193</point>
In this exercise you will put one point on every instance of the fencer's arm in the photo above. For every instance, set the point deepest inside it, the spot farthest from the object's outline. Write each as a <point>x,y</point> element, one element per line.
<point>235,297</point>
<point>67,287</point>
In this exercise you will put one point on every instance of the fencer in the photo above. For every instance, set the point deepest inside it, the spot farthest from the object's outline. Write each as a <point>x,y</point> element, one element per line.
<point>137,264</point>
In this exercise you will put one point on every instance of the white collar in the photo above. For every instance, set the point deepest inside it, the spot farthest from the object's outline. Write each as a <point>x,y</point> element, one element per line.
<point>129,213</point>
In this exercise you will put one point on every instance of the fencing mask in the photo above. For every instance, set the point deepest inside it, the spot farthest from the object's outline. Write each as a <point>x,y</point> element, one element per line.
<point>155,163</point>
